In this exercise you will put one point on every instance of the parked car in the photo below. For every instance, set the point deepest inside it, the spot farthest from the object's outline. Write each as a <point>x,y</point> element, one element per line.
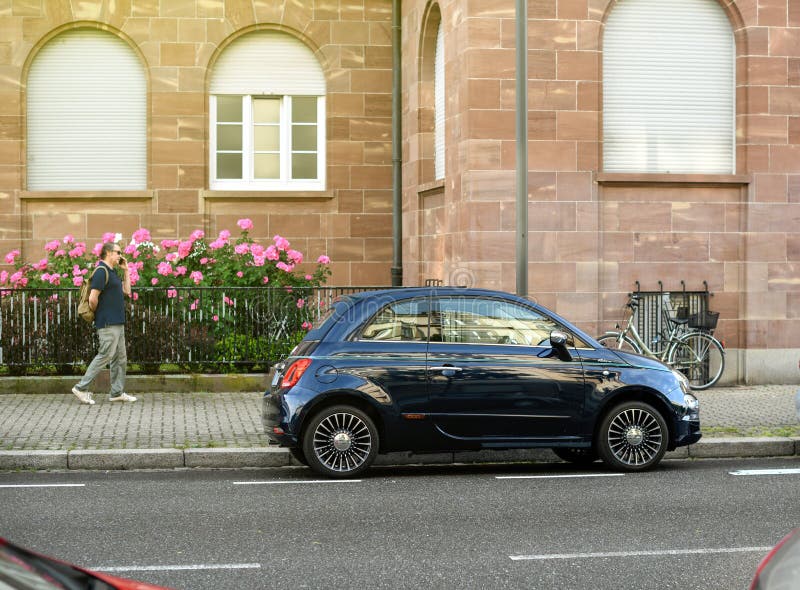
<point>23,568</point>
<point>780,568</point>
<point>452,369</point>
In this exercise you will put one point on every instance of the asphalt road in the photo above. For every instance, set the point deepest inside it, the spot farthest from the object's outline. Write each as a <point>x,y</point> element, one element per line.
<point>689,524</point>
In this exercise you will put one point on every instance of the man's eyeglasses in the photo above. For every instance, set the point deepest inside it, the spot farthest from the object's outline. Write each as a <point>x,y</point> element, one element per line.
<point>117,251</point>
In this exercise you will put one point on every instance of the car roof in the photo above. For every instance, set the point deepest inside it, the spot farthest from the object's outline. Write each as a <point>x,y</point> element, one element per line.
<point>404,292</point>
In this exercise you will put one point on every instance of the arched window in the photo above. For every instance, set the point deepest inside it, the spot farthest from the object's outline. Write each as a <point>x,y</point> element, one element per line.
<point>439,104</point>
<point>267,108</point>
<point>86,115</point>
<point>668,88</point>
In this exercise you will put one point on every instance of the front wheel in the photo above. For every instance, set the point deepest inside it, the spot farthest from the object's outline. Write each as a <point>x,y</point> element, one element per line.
<point>700,357</point>
<point>619,342</point>
<point>632,437</point>
<point>340,441</point>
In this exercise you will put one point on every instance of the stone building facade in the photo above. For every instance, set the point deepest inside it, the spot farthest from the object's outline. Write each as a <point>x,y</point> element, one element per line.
<point>596,229</point>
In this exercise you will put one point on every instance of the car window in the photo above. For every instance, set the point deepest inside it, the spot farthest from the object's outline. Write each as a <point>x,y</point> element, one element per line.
<point>489,321</point>
<point>405,320</point>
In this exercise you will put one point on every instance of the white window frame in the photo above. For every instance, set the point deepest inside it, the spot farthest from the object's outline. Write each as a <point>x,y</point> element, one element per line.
<point>248,180</point>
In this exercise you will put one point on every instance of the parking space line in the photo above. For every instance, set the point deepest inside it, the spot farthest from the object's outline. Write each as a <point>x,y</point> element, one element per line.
<point>766,472</point>
<point>551,556</point>
<point>293,481</point>
<point>44,485</point>
<point>159,568</point>
<point>569,476</point>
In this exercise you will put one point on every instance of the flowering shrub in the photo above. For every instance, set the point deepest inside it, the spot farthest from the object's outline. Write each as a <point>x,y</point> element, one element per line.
<point>239,262</point>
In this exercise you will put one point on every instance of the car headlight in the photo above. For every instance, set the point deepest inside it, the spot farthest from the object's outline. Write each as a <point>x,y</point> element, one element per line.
<point>685,388</point>
<point>691,402</point>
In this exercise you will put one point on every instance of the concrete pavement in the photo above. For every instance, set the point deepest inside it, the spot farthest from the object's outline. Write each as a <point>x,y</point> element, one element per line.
<point>218,428</point>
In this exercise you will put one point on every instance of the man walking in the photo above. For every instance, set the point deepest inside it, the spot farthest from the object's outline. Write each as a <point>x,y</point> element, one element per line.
<point>107,300</point>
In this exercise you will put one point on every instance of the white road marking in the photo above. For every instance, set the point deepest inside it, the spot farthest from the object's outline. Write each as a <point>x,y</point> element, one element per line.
<point>293,481</point>
<point>558,476</point>
<point>766,472</point>
<point>159,568</point>
<point>547,556</point>
<point>44,485</point>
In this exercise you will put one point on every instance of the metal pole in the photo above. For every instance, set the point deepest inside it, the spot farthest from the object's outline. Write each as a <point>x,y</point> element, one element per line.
<point>397,151</point>
<point>522,145</point>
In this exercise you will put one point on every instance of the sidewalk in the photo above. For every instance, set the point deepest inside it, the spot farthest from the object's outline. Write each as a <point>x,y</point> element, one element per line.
<point>167,430</point>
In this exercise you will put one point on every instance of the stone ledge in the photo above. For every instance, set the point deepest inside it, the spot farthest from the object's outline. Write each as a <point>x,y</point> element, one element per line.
<point>723,447</point>
<point>236,457</point>
<point>124,459</point>
<point>187,383</point>
<point>12,460</point>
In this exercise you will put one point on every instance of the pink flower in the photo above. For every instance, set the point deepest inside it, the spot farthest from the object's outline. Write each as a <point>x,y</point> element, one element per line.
<point>130,248</point>
<point>272,253</point>
<point>68,239</point>
<point>265,280</point>
<point>77,281</point>
<point>216,245</point>
<point>227,300</point>
<point>323,260</point>
<point>295,256</point>
<point>52,246</point>
<point>180,271</point>
<point>196,276</point>
<point>76,270</point>
<point>224,235</point>
<point>60,253</point>
<point>285,267</point>
<point>245,224</point>
<point>3,277</point>
<point>197,234</point>
<point>134,275</point>
<point>41,265</point>
<point>78,251</point>
<point>97,247</point>
<point>309,277</point>
<point>239,274</point>
<point>184,248</point>
<point>307,325</point>
<point>164,269</point>
<point>301,303</point>
<point>135,296</point>
<point>241,248</point>
<point>141,235</point>
<point>167,244</point>
<point>215,318</point>
<point>193,306</point>
<point>204,260</point>
<point>108,237</point>
<point>11,256</point>
<point>257,249</point>
<point>281,243</point>
<point>259,260</point>
<point>154,281</point>
<point>172,257</point>
<point>172,293</point>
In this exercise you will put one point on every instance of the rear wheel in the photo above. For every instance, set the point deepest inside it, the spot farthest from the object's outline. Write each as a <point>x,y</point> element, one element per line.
<point>700,357</point>
<point>632,437</point>
<point>619,342</point>
<point>579,456</point>
<point>340,441</point>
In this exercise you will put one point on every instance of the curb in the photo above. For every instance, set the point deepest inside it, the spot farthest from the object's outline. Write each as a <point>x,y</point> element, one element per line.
<point>183,383</point>
<point>263,457</point>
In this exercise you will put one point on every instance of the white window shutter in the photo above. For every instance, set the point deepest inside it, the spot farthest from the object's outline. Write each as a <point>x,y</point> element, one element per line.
<point>86,115</point>
<point>267,63</point>
<point>668,88</point>
<point>439,104</point>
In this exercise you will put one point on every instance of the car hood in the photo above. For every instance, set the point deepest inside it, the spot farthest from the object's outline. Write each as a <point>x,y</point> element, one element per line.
<point>639,360</point>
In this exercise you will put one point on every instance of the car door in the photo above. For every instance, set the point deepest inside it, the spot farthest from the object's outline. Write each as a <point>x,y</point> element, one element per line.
<point>493,374</point>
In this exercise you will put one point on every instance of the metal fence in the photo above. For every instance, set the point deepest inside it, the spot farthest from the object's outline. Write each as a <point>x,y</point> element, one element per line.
<point>202,329</point>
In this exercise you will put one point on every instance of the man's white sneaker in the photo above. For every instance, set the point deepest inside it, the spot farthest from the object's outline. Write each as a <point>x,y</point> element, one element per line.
<point>85,397</point>
<point>122,397</point>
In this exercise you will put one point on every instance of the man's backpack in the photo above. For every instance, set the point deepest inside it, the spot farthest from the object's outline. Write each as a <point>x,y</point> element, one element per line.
<point>84,310</point>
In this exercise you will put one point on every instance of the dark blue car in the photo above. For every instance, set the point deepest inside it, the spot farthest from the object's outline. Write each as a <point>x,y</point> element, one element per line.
<point>451,369</point>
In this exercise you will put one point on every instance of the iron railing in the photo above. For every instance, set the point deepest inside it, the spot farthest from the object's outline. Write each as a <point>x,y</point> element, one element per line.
<point>199,329</point>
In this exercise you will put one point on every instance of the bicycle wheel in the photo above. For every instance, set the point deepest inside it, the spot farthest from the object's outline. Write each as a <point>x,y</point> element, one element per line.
<point>619,342</point>
<point>700,357</point>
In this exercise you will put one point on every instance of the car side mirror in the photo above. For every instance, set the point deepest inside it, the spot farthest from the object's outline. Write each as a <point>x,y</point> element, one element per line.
<point>559,341</point>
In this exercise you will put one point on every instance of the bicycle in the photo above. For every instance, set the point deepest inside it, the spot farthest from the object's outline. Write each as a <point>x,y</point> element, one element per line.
<point>687,346</point>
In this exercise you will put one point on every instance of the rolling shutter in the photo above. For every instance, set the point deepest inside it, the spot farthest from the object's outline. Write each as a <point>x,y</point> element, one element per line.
<point>668,88</point>
<point>439,105</point>
<point>86,115</point>
<point>267,63</point>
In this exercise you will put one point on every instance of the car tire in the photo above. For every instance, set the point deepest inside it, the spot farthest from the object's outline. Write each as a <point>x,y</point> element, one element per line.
<point>633,436</point>
<point>340,441</point>
<point>298,455</point>
<point>578,456</point>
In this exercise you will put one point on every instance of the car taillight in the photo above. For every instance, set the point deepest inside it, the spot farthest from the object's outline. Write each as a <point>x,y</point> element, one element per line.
<point>292,376</point>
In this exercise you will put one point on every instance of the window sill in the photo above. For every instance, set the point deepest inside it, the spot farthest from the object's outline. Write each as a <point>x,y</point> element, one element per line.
<point>261,195</point>
<point>431,188</point>
<point>90,195</point>
<point>636,178</point>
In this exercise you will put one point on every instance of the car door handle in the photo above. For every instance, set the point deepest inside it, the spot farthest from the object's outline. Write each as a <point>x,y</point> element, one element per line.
<point>447,368</point>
